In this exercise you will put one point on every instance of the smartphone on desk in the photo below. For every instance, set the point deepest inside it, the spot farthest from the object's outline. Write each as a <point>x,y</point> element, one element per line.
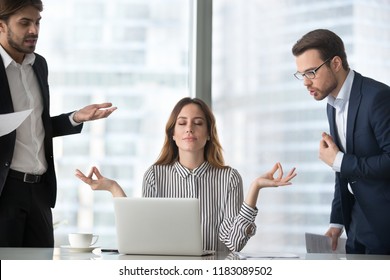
<point>108,250</point>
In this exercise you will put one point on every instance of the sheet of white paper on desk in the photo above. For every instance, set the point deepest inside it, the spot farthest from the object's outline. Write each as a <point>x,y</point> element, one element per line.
<point>10,122</point>
<point>265,255</point>
<point>318,243</point>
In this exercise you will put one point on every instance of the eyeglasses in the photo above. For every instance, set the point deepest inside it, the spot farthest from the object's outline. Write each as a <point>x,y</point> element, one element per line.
<point>310,74</point>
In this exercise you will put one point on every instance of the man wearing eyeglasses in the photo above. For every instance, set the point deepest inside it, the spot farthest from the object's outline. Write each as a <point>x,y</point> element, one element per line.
<point>358,147</point>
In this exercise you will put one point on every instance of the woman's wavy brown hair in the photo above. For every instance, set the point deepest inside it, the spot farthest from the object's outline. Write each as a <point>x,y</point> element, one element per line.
<point>213,149</point>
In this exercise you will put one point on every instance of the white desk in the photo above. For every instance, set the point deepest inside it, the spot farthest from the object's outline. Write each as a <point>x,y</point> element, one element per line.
<point>61,254</point>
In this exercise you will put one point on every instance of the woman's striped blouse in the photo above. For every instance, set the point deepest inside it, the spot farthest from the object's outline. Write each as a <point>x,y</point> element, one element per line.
<point>225,217</point>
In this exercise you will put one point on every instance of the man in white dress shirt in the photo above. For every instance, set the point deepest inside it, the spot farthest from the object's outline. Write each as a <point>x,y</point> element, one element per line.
<point>27,175</point>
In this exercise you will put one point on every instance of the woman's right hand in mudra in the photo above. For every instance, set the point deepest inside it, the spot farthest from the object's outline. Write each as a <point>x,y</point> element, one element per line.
<point>101,182</point>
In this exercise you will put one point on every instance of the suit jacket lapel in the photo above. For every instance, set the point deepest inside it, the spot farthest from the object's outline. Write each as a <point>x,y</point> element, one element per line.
<point>354,103</point>
<point>5,94</point>
<point>40,74</point>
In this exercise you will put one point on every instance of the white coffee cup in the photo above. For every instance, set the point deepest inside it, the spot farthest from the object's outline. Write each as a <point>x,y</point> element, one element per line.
<point>82,240</point>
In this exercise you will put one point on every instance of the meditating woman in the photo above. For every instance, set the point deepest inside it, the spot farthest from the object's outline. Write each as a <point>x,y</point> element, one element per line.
<point>191,165</point>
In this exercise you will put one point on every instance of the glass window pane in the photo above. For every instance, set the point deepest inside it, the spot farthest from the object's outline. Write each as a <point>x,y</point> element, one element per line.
<point>133,54</point>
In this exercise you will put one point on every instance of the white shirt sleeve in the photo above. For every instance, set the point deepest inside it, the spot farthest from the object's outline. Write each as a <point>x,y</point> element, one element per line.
<point>337,162</point>
<point>72,120</point>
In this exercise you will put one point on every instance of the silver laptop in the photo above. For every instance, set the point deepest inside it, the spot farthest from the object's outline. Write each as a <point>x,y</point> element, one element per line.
<point>158,226</point>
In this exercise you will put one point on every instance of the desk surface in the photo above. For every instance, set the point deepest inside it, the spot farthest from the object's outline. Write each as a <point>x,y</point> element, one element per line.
<point>96,254</point>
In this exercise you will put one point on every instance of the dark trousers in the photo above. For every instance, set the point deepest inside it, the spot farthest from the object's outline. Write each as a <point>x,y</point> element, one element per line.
<point>25,216</point>
<point>361,238</point>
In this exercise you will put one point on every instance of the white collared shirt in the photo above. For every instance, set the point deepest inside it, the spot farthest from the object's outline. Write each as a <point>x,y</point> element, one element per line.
<point>341,104</point>
<point>29,153</point>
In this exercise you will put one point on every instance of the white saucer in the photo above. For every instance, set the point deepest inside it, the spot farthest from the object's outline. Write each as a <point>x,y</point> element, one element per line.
<point>80,250</point>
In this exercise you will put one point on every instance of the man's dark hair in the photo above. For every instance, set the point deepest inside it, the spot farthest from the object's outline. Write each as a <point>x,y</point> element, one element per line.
<point>10,7</point>
<point>325,41</point>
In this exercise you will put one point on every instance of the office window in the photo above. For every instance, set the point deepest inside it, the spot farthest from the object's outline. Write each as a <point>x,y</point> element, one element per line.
<point>133,54</point>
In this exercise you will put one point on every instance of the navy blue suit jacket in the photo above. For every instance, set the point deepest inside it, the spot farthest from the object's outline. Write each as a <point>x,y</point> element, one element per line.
<point>366,163</point>
<point>54,126</point>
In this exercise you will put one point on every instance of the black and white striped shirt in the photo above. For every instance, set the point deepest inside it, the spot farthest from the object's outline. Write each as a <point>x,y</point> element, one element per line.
<point>225,217</point>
